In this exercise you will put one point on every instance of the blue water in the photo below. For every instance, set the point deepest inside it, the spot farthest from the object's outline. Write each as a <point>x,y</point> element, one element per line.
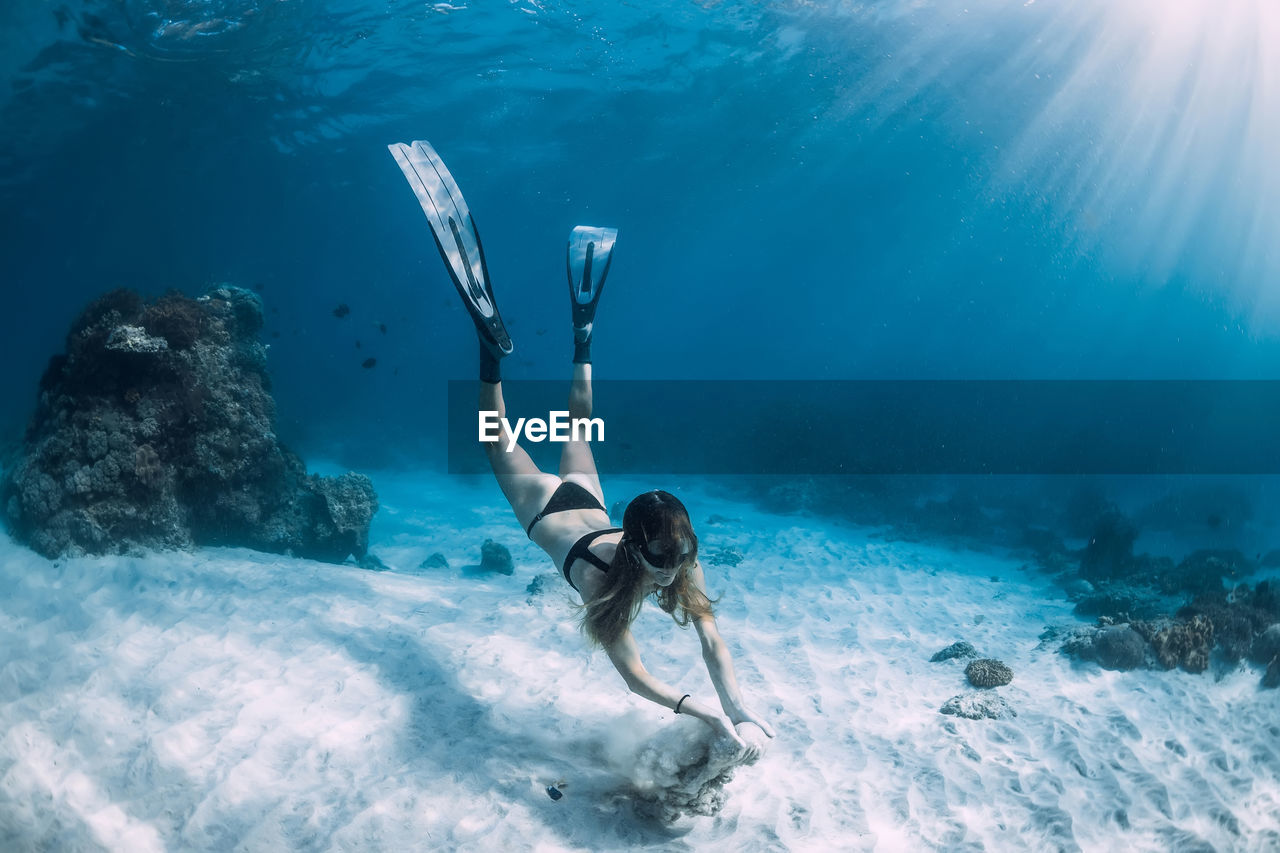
<point>803,190</point>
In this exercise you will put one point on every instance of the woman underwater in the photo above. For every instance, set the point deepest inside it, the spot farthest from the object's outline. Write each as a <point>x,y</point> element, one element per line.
<point>655,552</point>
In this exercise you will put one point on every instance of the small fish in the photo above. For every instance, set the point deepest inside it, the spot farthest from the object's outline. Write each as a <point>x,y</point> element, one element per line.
<point>342,310</point>
<point>275,334</point>
<point>540,332</point>
<point>258,286</point>
<point>368,362</point>
<point>382,327</point>
<point>357,345</point>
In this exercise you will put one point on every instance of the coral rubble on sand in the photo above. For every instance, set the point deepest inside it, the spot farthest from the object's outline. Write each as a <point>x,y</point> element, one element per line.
<point>959,649</point>
<point>156,429</point>
<point>978,706</point>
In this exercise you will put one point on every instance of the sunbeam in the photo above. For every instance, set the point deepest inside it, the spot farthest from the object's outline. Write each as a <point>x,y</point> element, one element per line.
<point>1153,141</point>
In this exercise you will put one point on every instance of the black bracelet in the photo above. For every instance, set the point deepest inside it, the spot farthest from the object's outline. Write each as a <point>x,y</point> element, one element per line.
<point>681,702</point>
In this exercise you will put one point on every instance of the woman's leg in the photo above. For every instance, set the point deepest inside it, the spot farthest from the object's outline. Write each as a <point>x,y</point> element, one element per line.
<point>526,488</point>
<point>576,459</point>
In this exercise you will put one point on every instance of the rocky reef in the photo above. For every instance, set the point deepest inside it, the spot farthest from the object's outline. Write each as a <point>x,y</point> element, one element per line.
<point>1233,626</point>
<point>155,429</point>
<point>1158,612</point>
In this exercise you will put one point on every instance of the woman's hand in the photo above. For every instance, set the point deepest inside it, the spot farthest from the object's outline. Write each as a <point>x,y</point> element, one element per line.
<point>745,716</point>
<point>724,728</point>
<point>748,752</point>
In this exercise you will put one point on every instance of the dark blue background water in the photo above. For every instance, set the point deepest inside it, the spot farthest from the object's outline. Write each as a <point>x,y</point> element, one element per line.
<point>803,190</point>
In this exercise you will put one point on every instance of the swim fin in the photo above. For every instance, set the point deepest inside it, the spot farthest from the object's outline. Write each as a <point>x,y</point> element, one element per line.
<point>456,238</point>
<point>589,255</point>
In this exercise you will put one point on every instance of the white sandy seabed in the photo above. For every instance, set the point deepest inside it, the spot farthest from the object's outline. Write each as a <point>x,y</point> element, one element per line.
<point>226,699</point>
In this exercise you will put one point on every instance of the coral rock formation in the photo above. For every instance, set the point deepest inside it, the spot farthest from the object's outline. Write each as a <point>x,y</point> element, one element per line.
<point>1184,644</point>
<point>1119,647</point>
<point>494,557</point>
<point>1109,552</point>
<point>435,561</point>
<point>1204,571</point>
<point>1266,646</point>
<point>156,429</point>
<point>1271,678</point>
<point>988,672</point>
<point>959,649</point>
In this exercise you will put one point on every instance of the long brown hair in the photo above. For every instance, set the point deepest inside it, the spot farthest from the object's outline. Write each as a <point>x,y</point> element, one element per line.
<point>652,516</point>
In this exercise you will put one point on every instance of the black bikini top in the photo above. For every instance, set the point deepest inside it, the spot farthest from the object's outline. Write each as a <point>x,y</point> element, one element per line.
<point>581,550</point>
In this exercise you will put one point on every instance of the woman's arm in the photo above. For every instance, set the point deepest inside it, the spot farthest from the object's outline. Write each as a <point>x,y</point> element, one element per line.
<point>625,656</point>
<point>715,653</point>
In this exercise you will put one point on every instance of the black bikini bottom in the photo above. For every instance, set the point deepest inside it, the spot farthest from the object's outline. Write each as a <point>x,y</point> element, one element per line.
<point>568,496</point>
